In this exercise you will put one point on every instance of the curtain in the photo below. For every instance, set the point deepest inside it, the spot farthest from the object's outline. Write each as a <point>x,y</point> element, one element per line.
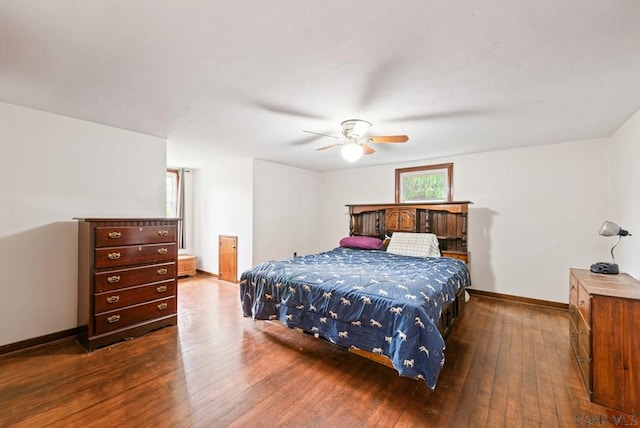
<point>181,207</point>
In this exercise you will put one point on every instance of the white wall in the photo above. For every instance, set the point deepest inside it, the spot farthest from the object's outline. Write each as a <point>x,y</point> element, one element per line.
<point>271,208</point>
<point>55,168</point>
<point>625,198</point>
<point>534,214</point>
<point>286,211</point>
<point>223,205</point>
<point>351,186</point>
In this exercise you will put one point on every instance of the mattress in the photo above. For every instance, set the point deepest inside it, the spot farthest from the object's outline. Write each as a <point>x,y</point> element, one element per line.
<point>383,303</point>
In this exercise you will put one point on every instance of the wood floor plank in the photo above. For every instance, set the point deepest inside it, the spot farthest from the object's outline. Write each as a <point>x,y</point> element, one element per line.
<point>545,392</point>
<point>487,363</point>
<point>463,342</point>
<point>514,398</point>
<point>507,364</point>
<point>460,366</point>
<point>498,401</point>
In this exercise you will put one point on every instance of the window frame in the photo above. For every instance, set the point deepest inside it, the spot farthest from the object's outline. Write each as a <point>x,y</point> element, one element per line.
<point>400,172</point>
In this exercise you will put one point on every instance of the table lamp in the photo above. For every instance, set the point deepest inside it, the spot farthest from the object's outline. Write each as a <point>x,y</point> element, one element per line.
<point>609,228</point>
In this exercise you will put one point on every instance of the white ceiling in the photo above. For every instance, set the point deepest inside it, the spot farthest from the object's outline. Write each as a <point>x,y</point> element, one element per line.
<point>244,78</point>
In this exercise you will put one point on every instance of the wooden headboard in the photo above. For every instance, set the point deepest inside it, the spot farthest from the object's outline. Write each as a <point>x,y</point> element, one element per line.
<point>447,220</point>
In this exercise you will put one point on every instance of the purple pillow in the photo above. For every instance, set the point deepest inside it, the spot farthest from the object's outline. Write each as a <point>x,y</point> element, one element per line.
<point>362,242</point>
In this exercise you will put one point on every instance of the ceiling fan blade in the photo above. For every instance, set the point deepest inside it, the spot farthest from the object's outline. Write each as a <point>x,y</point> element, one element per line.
<point>328,147</point>
<point>452,114</point>
<point>305,140</point>
<point>378,79</point>
<point>290,111</point>
<point>367,150</point>
<point>324,135</point>
<point>389,139</point>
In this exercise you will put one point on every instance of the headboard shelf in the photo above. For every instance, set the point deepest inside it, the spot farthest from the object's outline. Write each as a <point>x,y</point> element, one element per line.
<point>447,220</point>
<point>453,207</point>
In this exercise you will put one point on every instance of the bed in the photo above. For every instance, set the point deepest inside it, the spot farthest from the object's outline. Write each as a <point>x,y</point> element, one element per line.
<point>388,304</point>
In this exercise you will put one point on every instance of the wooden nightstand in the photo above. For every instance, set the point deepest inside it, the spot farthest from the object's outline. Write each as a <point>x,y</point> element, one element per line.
<point>604,312</point>
<point>186,265</point>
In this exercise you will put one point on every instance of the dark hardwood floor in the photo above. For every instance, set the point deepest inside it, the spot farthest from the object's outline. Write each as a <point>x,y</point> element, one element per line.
<point>507,364</point>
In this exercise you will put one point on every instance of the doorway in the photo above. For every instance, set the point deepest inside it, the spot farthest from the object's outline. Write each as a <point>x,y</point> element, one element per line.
<point>228,258</point>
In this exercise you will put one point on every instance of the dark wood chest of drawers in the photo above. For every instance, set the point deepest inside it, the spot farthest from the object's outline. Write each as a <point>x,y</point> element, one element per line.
<point>127,278</point>
<point>604,330</point>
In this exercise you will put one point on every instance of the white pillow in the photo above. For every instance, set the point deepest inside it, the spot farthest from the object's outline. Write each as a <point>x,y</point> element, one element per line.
<point>414,244</point>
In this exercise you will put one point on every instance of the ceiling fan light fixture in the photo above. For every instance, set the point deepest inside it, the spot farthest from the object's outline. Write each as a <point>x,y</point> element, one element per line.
<point>351,152</point>
<point>355,127</point>
<point>353,145</point>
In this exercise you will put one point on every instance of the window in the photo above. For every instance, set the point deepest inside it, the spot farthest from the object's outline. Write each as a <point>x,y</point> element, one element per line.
<point>172,193</point>
<point>175,207</point>
<point>430,183</point>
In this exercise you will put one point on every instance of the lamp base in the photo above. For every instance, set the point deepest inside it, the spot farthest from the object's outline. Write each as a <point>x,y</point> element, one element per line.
<point>604,267</point>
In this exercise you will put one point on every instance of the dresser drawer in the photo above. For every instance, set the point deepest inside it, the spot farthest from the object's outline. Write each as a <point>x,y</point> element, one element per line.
<point>584,363</point>
<point>573,338</point>
<point>126,317</point>
<point>584,303</point>
<point>574,314</point>
<point>584,337</point>
<point>123,278</point>
<point>573,290</point>
<point>135,254</point>
<point>109,301</point>
<point>129,235</point>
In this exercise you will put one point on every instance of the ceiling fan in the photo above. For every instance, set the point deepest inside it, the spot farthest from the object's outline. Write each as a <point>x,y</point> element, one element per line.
<point>353,141</point>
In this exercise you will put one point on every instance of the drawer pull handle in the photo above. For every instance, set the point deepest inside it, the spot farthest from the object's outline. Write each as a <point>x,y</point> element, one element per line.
<point>115,235</point>
<point>163,232</point>
<point>162,271</point>
<point>113,318</point>
<point>162,251</point>
<point>113,279</point>
<point>113,299</point>
<point>113,256</point>
<point>161,289</point>
<point>162,306</point>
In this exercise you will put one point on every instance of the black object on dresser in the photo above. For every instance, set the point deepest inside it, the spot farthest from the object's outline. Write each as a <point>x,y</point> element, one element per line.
<point>127,278</point>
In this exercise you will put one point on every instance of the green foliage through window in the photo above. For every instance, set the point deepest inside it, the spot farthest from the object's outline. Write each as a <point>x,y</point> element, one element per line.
<point>427,187</point>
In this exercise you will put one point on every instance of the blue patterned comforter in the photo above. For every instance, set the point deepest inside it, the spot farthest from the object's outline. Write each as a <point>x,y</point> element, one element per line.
<point>371,300</point>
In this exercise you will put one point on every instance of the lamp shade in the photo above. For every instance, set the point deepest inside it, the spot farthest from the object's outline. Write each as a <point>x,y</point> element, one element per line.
<point>609,228</point>
<point>351,152</point>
